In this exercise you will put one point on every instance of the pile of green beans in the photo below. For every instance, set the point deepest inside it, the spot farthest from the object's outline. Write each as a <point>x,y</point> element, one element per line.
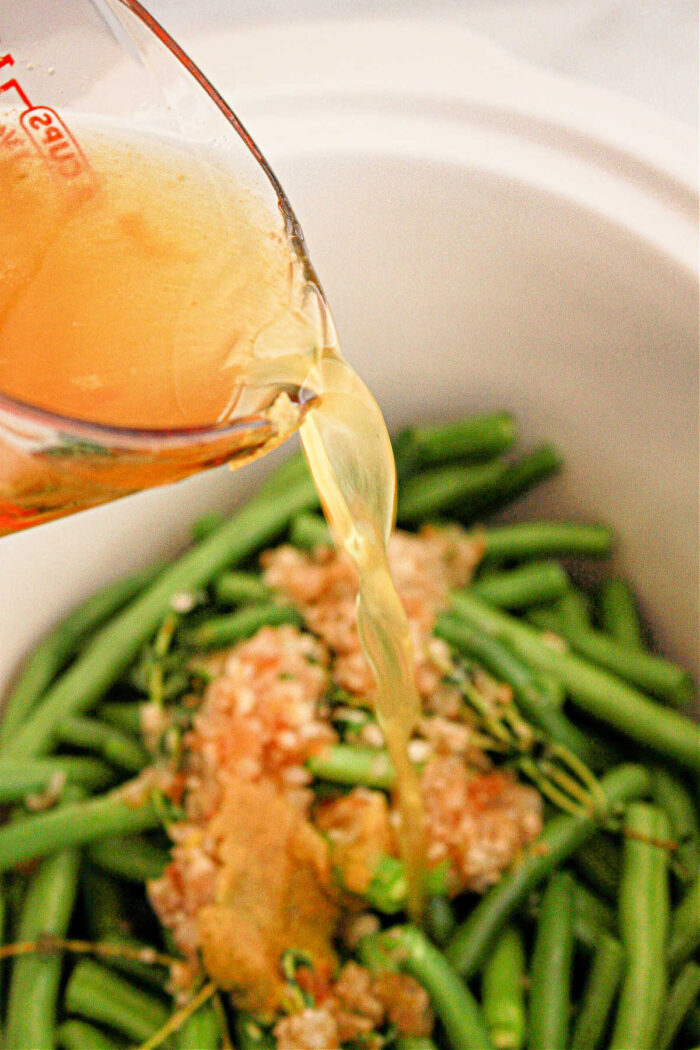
<point>590,941</point>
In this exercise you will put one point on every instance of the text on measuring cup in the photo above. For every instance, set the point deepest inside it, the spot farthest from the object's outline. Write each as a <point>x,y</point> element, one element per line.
<point>42,127</point>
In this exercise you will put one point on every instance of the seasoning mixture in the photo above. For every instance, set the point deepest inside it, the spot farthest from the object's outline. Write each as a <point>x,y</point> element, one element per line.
<point>268,857</point>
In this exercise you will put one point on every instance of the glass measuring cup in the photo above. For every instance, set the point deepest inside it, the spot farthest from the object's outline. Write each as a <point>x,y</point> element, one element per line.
<point>72,78</point>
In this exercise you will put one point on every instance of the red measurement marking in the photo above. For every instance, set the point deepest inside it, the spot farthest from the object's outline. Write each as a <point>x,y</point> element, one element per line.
<point>10,139</point>
<point>13,85</point>
<point>51,138</point>
<point>54,142</point>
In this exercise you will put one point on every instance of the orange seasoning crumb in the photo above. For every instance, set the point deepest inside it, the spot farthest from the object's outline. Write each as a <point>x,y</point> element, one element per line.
<point>273,890</point>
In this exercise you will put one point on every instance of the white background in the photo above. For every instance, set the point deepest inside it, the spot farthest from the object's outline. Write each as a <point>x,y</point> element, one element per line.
<point>646,49</point>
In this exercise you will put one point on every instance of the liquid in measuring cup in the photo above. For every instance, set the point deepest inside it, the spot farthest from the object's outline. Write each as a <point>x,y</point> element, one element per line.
<point>164,296</point>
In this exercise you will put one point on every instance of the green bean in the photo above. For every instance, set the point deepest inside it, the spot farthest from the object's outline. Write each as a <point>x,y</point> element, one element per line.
<point>670,794</point>
<point>104,903</point>
<point>545,539</point>
<point>220,631</point>
<point>644,919</point>
<point>683,995</point>
<point>124,715</point>
<point>350,764</point>
<point>110,922</point>
<point>562,836</point>
<point>599,694</point>
<point>374,956</point>
<point>574,609</point>
<point>73,825</point>
<point>434,492</point>
<point>587,933</point>
<point>53,651</point>
<point>48,906</point>
<point>474,437</point>
<point>113,648</point>
<point>141,970</point>
<point>592,917</point>
<point>114,745</point>
<point>405,457</point>
<point>684,936</point>
<point>619,615</point>
<point>600,863</point>
<point>15,889</point>
<point>546,618</point>
<point>454,1004</point>
<point>205,525</point>
<point>519,477</point>
<point>76,1035</point>
<point>440,919</point>
<point>240,588</point>
<point>20,779</point>
<point>552,690</point>
<point>388,889</point>
<point>653,674</point>
<point>201,1030</point>
<point>550,973</point>
<point>503,991</point>
<point>132,858</point>
<point>590,911</point>
<point>308,531</point>
<point>415,1042</point>
<point>526,686</point>
<point>98,994</point>
<point>530,584</point>
<point>598,994</point>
